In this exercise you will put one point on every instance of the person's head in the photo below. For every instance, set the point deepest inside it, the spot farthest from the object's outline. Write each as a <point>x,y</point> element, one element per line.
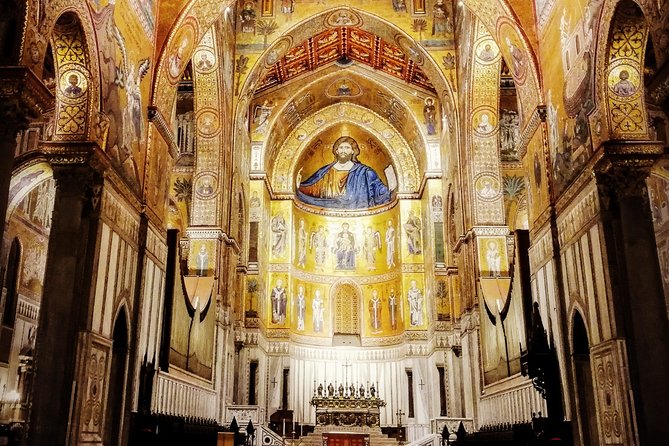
<point>181,50</point>
<point>369,229</point>
<point>74,79</point>
<point>429,101</point>
<point>484,118</point>
<point>300,290</point>
<point>345,149</point>
<point>413,284</point>
<point>487,47</point>
<point>390,223</point>
<point>345,226</point>
<point>492,245</point>
<point>203,248</point>
<point>375,294</point>
<point>279,283</point>
<point>624,75</point>
<point>317,294</point>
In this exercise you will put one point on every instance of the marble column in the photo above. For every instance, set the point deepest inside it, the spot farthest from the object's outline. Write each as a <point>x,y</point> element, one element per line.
<point>638,305</point>
<point>66,300</point>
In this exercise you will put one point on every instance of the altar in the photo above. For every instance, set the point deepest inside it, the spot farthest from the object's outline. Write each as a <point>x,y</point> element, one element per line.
<point>347,406</point>
<point>345,439</point>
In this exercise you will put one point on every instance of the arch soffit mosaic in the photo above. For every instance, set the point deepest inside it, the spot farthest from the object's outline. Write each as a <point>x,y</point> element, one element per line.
<point>39,31</point>
<point>607,60</point>
<point>350,17</point>
<point>377,98</point>
<point>282,170</point>
<point>24,181</point>
<point>205,12</point>
<point>195,19</point>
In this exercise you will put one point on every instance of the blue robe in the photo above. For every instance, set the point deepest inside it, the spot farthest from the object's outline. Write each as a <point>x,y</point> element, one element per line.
<point>364,189</point>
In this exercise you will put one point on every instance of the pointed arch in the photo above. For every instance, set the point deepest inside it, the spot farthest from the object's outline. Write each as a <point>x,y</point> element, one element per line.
<point>620,70</point>
<point>67,22</point>
<point>585,398</point>
<point>74,87</point>
<point>358,18</point>
<point>116,393</point>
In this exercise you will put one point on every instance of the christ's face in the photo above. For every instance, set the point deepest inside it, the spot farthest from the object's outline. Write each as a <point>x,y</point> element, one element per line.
<point>344,152</point>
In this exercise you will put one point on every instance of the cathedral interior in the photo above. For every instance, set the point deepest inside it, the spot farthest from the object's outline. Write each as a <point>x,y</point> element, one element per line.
<point>337,223</point>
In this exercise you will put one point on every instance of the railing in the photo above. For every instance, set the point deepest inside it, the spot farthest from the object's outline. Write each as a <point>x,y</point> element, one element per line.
<point>178,397</point>
<point>452,424</point>
<point>427,440</point>
<point>510,403</point>
<point>244,414</point>
<point>417,431</point>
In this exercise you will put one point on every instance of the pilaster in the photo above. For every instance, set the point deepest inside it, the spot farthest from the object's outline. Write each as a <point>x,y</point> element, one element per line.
<point>637,300</point>
<point>67,294</point>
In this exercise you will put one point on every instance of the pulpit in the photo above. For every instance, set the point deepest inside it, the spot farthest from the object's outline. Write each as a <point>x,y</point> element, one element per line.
<point>347,406</point>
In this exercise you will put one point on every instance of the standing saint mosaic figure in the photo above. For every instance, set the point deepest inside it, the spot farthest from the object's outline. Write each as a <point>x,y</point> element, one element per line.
<point>415,298</point>
<point>413,228</point>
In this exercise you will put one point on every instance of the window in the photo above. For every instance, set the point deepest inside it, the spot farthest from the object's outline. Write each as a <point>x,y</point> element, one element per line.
<point>410,388</point>
<point>253,374</point>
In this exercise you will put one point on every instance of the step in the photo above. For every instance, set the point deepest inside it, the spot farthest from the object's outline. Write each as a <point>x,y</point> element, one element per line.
<point>376,437</point>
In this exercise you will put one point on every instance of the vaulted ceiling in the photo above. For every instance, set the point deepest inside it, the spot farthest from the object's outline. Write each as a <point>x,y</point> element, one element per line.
<point>342,46</point>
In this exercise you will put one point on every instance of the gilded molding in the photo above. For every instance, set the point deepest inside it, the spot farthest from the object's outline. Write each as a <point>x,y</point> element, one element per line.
<point>538,115</point>
<point>119,215</point>
<point>330,279</point>
<point>156,117</point>
<point>487,231</point>
<point>541,221</point>
<point>578,217</point>
<point>541,250</point>
<point>341,213</point>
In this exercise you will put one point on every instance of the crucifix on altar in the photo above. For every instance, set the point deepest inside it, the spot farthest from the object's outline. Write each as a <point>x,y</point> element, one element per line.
<point>346,365</point>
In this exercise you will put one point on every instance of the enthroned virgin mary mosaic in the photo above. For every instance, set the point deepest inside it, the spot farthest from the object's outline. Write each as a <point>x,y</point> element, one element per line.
<point>346,182</point>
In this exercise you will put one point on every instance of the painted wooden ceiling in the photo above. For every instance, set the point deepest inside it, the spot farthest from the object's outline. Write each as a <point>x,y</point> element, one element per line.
<point>344,45</point>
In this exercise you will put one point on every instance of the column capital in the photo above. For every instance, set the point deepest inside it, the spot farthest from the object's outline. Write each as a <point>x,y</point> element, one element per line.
<point>23,96</point>
<point>623,166</point>
<point>62,154</point>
